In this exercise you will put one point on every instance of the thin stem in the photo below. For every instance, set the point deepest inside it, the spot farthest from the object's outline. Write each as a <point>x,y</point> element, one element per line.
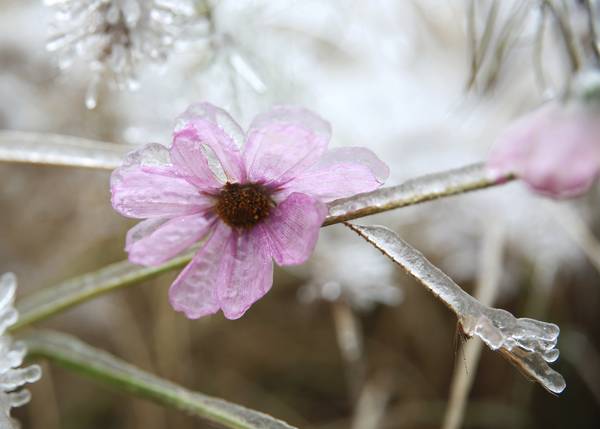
<point>567,36</point>
<point>54,149</point>
<point>84,359</point>
<point>538,51</point>
<point>593,33</point>
<point>414,191</point>
<point>49,301</point>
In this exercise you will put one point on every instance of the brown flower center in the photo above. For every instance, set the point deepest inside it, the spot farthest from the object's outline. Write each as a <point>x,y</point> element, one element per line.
<point>243,206</point>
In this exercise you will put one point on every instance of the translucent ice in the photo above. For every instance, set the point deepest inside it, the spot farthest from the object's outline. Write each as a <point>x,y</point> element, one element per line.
<point>11,357</point>
<point>527,343</point>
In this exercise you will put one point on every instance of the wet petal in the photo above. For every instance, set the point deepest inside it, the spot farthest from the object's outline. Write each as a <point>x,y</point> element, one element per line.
<point>191,161</point>
<point>141,194</point>
<point>248,267</point>
<point>154,241</point>
<point>194,291</point>
<point>208,125</point>
<point>293,228</point>
<point>283,143</point>
<point>340,173</point>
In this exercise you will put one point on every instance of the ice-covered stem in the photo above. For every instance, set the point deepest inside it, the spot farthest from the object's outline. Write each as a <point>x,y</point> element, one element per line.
<point>413,191</point>
<point>84,359</point>
<point>52,300</point>
<point>527,343</point>
<point>54,149</point>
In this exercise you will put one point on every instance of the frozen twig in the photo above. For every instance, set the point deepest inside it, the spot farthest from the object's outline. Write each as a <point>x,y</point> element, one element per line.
<point>53,149</point>
<point>414,191</point>
<point>97,364</point>
<point>527,343</point>
<point>52,300</point>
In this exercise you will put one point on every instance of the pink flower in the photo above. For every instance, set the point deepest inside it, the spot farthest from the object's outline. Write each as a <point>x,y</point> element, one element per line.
<point>253,198</point>
<point>555,149</point>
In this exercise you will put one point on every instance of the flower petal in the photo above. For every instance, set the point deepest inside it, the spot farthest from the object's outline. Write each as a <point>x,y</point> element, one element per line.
<point>340,173</point>
<point>140,194</point>
<point>555,150</point>
<point>154,241</point>
<point>248,267</point>
<point>191,161</point>
<point>566,159</point>
<point>194,291</point>
<point>213,127</point>
<point>283,143</point>
<point>293,228</point>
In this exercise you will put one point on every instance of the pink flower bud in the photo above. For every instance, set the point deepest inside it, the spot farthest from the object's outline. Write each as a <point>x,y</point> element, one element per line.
<point>554,149</point>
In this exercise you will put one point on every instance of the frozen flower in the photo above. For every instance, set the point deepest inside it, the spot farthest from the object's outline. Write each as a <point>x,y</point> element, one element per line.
<point>555,149</point>
<point>112,37</point>
<point>11,357</point>
<point>252,198</point>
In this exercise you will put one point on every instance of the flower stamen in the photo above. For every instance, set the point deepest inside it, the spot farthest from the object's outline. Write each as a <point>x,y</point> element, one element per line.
<point>243,206</point>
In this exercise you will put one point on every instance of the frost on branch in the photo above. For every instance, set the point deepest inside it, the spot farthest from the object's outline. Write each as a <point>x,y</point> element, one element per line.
<point>527,343</point>
<point>11,357</point>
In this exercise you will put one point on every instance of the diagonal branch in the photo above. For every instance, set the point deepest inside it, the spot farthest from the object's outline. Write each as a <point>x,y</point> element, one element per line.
<point>527,343</point>
<point>84,359</point>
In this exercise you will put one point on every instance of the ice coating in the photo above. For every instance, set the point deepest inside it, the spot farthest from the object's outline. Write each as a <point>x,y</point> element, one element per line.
<point>425,188</point>
<point>54,149</point>
<point>527,343</point>
<point>11,357</point>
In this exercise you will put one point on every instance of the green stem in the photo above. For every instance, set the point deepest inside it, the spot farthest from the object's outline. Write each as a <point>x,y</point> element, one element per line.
<point>97,364</point>
<point>49,301</point>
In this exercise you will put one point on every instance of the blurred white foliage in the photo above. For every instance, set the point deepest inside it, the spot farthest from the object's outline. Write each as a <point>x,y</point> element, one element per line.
<point>113,37</point>
<point>347,271</point>
<point>11,357</point>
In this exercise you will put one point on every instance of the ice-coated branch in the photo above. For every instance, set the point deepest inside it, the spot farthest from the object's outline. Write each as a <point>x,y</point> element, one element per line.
<point>84,359</point>
<point>527,343</point>
<point>54,149</point>
<point>52,300</point>
<point>413,191</point>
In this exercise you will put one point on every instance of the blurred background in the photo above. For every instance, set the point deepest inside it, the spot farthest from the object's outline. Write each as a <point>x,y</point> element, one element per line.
<point>347,340</point>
